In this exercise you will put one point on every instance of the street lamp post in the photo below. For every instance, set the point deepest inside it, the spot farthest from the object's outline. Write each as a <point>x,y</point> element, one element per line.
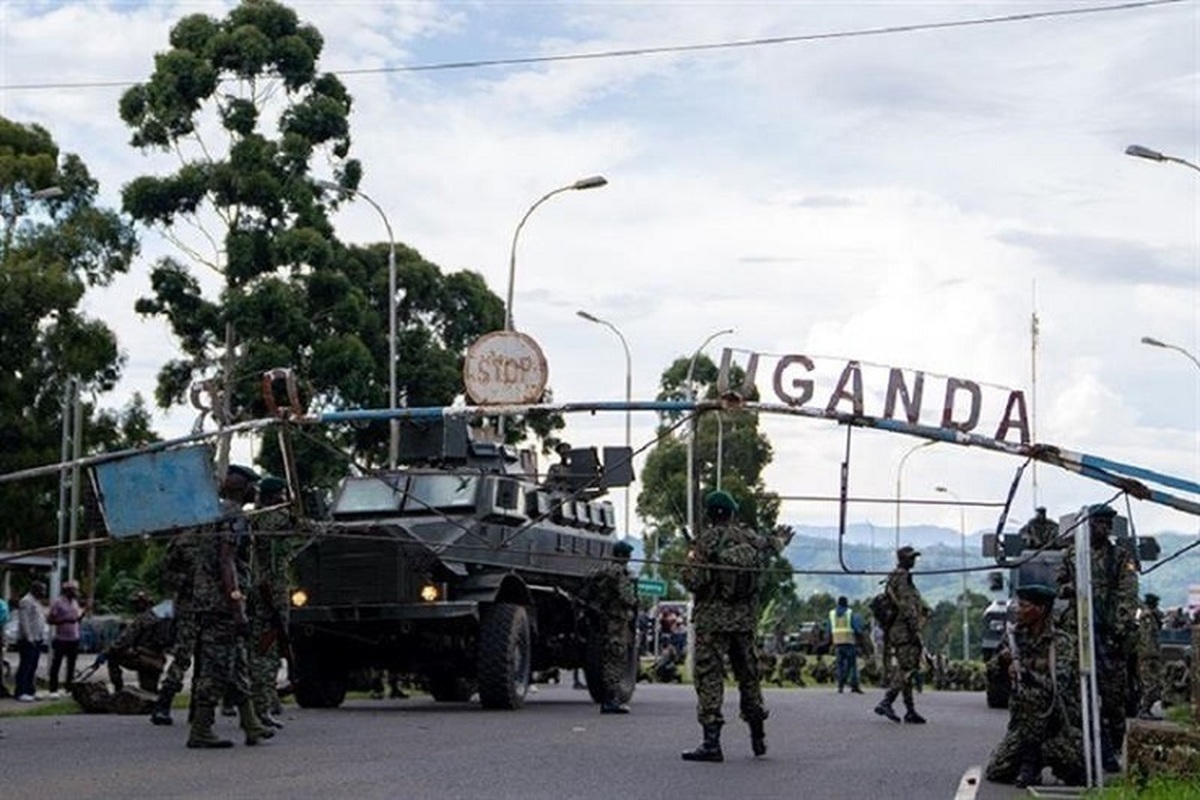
<point>1138,151</point>
<point>691,442</point>
<point>962,530</point>
<point>899,476</point>
<point>393,423</point>
<point>628,391</point>
<point>1150,340</point>
<point>593,182</point>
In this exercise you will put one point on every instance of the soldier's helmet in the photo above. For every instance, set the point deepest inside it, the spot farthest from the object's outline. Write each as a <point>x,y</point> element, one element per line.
<point>720,500</point>
<point>622,550</point>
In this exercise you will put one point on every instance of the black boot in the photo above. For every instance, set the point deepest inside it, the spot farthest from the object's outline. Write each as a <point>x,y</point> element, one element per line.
<point>912,717</point>
<point>613,707</point>
<point>162,710</point>
<point>1030,775</point>
<point>884,709</point>
<point>758,737</point>
<point>710,749</point>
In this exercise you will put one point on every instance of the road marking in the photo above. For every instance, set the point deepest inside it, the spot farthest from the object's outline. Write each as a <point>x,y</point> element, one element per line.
<point>969,784</point>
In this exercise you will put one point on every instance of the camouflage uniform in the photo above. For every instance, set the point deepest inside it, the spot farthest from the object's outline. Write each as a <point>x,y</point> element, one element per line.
<point>1150,660</point>
<point>267,604</point>
<point>141,647</point>
<point>724,620</point>
<point>179,568</point>
<point>902,639</point>
<point>1114,606</point>
<point>1043,726</point>
<point>791,667</point>
<point>609,591</point>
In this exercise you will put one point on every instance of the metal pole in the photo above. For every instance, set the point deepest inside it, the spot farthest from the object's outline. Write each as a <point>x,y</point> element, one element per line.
<point>691,440</point>
<point>1150,340</point>
<point>1137,151</point>
<point>628,391</point>
<point>899,475</point>
<point>966,626</point>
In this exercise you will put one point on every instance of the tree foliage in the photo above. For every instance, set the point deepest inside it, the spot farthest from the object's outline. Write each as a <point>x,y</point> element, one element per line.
<point>55,243</point>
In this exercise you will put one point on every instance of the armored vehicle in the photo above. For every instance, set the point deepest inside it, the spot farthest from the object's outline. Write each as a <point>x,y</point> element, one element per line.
<point>1033,555</point>
<point>461,569</point>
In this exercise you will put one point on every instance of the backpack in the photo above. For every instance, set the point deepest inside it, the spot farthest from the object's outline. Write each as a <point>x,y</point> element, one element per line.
<point>883,609</point>
<point>737,582</point>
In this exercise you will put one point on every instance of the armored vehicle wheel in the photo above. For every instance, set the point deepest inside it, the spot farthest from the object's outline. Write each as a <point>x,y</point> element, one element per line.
<point>451,689</point>
<point>504,658</point>
<point>322,682</point>
<point>593,670</point>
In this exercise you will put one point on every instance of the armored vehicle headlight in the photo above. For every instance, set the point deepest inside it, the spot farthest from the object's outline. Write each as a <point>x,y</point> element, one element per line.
<point>299,598</point>
<point>431,592</point>
<point>996,624</point>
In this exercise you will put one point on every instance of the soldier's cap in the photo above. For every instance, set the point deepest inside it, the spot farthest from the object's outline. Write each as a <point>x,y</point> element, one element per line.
<point>1101,510</point>
<point>622,549</point>
<point>243,471</point>
<point>1151,599</point>
<point>720,499</point>
<point>271,484</point>
<point>1040,593</point>
<point>908,551</point>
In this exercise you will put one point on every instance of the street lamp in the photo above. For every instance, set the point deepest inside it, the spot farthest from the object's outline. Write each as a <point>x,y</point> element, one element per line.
<point>628,391</point>
<point>899,475</point>
<point>393,423</point>
<point>691,442</point>
<point>962,529</point>
<point>594,182</point>
<point>1137,151</point>
<point>1150,340</point>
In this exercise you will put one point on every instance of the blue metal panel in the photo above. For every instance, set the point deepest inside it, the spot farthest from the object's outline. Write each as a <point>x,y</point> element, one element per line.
<point>158,492</point>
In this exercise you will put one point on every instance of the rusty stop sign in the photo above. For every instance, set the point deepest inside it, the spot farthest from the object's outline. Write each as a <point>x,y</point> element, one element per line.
<point>504,368</point>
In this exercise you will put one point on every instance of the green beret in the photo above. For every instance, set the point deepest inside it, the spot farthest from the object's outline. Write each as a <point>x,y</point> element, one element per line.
<point>1040,593</point>
<point>720,499</point>
<point>271,484</point>
<point>622,549</point>
<point>244,471</point>
<point>1101,510</point>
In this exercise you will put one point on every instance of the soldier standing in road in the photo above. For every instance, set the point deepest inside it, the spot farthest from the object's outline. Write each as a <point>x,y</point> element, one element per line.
<point>1114,606</point>
<point>1043,726</point>
<point>221,663</point>
<point>267,602</point>
<point>1150,660</point>
<point>722,572</point>
<point>179,567</point>
<point>610,592</point>
<point>903,637</point>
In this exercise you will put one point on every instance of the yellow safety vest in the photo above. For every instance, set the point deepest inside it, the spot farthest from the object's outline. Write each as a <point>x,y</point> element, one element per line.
<point>840,627</point>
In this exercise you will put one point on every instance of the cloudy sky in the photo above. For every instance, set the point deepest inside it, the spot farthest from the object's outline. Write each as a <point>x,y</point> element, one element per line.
<point>852,180</point>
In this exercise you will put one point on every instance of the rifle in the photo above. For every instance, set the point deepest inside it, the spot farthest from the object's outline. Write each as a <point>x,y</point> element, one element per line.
<point>1016,661</point>
<point>277,633</point>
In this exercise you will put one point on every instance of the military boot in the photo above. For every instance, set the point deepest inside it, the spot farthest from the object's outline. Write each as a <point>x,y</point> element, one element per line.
<point>710,749</point>
<point>251,725</point>
<point>162,710</point>
<point>758,737</point>
<point>1030,775</point>
<point>201,735</point>
<point>911,716</point>
<point>884,709</point>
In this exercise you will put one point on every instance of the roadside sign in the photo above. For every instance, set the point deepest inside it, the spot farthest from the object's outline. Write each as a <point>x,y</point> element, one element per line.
<point>651,587</point>
<point>505,367</point>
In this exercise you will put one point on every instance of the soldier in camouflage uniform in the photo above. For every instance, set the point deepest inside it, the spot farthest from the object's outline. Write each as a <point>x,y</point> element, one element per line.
<point>179,567</point>
<point>141,646</point>
<point>1039,532</point>
<point>791,667</point>
<point>612,599</point>
<point>722,572</point>
<point>903,637</point>
<point>1150,660</point>
<point>267,598</point>
<point>1114,608</point>
<point>222,624</point>
<point>1043,726</point>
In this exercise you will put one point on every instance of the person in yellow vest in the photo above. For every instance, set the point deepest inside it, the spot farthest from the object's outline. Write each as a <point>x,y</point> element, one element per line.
<point>845,627</point>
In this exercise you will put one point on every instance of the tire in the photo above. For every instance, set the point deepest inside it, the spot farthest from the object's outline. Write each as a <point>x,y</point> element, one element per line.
<point>593,670</point>
<point>451,689</point>
<point>322,682</point>
<point>504,656</point>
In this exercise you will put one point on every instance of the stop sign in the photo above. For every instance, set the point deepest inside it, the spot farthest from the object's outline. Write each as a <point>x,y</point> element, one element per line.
<point>505,368</point>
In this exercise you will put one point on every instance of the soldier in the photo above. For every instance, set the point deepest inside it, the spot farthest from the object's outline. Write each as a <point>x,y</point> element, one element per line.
<point>1043,725</point>
<point>767,663</point>
<point>791,667</point>
<point>179,566</point>
<point>1039,532</point>
<point>1114,606</point>
<point>141,647</point>
<point>722,572</point>
<point>221,663</point>
<point>903,637</point>
<point>1150,660</point>
<point>267,600</point>
<point>610,593</point>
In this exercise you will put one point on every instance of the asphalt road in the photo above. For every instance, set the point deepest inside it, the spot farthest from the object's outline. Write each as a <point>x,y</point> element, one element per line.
<point>822,745</point>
